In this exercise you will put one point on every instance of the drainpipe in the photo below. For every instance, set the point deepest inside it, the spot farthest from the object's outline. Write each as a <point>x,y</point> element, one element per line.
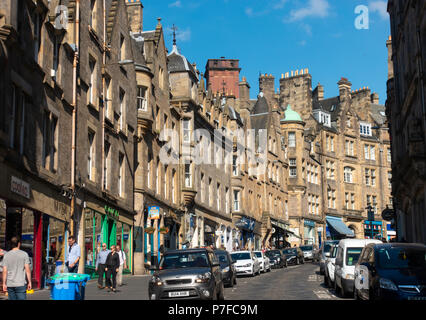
<point>105,97</point>
<point>74,112</point>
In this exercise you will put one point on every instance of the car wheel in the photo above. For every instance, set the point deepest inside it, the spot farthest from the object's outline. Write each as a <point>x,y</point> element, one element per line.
<point>326,281</point>
<point>343,293</point>
<point>235,281</point>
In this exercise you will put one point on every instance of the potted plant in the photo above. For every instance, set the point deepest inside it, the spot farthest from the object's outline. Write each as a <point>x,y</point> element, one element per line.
<point>164,230</point>
<point>150,230</point>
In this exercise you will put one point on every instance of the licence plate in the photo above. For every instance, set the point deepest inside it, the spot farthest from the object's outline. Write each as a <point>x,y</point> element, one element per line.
<point>178,294</point>
<point>416,298</point>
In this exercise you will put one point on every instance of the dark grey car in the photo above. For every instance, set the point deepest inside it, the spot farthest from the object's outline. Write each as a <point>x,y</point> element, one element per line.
<point>187,274</point>
<point>227,266</point>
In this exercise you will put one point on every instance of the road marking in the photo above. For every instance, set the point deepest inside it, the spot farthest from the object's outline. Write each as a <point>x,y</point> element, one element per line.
<point>315,277</point>
<point>322,294</point>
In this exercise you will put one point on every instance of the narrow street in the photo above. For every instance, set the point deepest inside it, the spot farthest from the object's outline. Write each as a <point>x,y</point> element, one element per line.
<point>301,282</point>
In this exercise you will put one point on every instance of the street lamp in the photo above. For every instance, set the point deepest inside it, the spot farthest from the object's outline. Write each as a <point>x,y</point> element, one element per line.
<point>370,215</point>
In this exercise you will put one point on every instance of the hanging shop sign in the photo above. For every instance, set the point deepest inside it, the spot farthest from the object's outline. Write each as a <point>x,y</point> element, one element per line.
<point>150,230</point>
<point>20,187</point>
<point>388,214</point>
<point>112,213</point>
<point>154,212</point>
<point>246,223</point>
<point>310,223</point>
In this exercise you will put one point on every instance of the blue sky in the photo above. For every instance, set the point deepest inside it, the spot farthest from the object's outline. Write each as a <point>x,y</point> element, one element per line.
<point>278,36</point>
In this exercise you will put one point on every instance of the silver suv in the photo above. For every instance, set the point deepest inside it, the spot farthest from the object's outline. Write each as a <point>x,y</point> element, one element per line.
<point>325,252</point>
<point>187,274</point>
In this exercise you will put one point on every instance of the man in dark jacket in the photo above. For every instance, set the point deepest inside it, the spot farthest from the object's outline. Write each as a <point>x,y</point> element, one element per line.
<point>112,265</point>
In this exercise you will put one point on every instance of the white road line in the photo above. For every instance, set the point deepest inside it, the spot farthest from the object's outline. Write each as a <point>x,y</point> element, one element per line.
<point>322,294</point>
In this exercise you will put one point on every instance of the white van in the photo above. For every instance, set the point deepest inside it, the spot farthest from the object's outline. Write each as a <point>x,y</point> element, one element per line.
<point>348,252</point>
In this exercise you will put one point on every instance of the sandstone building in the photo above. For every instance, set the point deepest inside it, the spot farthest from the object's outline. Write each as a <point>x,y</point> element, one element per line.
<point>406,112</point>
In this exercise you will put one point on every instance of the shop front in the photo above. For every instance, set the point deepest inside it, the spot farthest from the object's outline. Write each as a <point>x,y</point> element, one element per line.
<point>248,236</point>
<point>110,226</point>
<point>38,220</point>
<point>280,234</point>
<point>373,229</point>
<point>309,232</point>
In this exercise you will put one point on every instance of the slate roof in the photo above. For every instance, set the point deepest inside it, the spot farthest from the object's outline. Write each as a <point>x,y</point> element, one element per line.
<point>327,105</point>
<point>376,113</point>
<point>178,63</point>
<point>261,105</point>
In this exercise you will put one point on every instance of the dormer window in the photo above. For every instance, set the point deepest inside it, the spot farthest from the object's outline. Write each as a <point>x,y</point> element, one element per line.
<point>323,117</point>
<point>365,129</point>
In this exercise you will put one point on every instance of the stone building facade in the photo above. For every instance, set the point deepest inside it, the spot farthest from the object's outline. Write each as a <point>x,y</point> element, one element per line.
<point>406,112</point>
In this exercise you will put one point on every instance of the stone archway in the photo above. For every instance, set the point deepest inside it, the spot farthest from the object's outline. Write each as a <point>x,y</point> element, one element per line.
<point>357,233</point>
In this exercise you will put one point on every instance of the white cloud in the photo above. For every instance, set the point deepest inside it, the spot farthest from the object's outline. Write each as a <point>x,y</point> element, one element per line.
<point>279,4</point>
<point>315,8</point>
<point>176,4</point>
<point>249,12</point>
<point>184,35</point>
<point>307,28</point>
<point>380,7</point>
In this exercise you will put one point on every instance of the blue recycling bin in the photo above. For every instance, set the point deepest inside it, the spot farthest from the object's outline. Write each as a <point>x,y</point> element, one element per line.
<point>68,286</point>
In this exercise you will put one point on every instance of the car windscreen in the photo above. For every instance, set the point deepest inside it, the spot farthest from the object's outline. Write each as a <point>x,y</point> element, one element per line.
<point>352,255</point>
<point>306,248</point>
<point>401,258</point>
<point>271,254</point>
<point>241,256</point>
<point>184,260</point>
<point>258,254</point>
<point>223,258</point>
<point>290,251</point>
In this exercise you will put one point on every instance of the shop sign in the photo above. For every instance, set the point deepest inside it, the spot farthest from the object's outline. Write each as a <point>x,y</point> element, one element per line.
<point>125,237</point>
<point>310,223</point>
<point>20,187</point>
<point>246,223</point>
<point>112,213</point>
<point>154,213</point>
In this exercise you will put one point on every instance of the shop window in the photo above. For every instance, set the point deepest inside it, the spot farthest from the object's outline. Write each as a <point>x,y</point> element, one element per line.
<point>2,224</point>
<point>89,238</point>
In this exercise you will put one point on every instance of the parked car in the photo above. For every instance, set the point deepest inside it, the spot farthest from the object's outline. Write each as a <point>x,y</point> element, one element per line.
<point>265,265</point>
<point>308,252</point>
<point>391,271</point>
<point>246,263</point>
<point>294,255</point>
<point>348,252</point>
<point>187,274</point>
<point>330,262</point>
<point>276,259</point>
<point>324,252</point>
<point>227,267</point>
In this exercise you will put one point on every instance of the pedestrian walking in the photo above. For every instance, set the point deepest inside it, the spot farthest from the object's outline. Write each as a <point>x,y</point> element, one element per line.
<point>74,253</point>
<point>16,271</point>
<point>123,265</point>
<point>100,265</point>
<point>112,267</point>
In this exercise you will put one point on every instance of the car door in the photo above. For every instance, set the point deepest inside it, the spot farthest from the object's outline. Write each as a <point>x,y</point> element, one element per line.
<point>339,266</point>
<point>361,274</point>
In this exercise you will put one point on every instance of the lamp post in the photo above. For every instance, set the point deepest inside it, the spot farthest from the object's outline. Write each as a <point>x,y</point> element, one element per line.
<point>370,214</point>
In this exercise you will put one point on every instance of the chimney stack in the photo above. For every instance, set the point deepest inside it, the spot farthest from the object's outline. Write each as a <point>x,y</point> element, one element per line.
<point>344,89</point>
<point>318,93</point>
<point>135,14</point>
<point>375,98</point>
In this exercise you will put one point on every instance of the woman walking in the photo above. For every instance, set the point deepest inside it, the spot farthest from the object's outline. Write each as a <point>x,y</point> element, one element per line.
<point>112,265</point>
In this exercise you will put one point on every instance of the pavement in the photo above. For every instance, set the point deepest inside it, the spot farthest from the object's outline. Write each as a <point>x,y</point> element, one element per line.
<point>301,282</point>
